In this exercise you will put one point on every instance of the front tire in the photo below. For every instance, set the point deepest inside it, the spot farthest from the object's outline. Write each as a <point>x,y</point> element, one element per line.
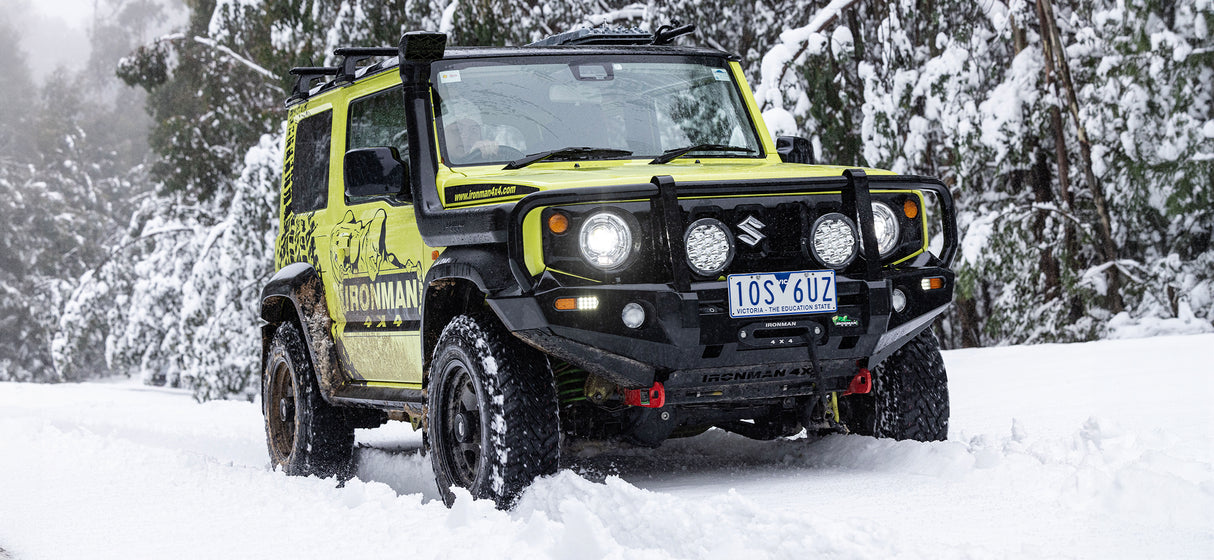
<point>304,434</point>
<point>909,398</point>
<point>491,414</point>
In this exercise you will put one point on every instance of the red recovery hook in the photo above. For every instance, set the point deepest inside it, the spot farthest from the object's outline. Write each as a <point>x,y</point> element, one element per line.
<point>861,384</point>
<point>653,397</point>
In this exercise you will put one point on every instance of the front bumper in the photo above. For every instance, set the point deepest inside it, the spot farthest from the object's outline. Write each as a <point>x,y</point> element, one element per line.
<point>691,344</point>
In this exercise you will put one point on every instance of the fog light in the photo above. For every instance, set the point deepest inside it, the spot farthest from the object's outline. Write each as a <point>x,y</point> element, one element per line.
<point>633,315</point>
<point>899,300</point>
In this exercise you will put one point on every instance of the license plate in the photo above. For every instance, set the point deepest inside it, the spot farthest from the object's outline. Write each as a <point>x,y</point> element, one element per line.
<point>782,293</point>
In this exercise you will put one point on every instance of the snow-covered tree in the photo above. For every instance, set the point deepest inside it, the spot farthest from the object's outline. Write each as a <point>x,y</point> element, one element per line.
<point>1077,137</point>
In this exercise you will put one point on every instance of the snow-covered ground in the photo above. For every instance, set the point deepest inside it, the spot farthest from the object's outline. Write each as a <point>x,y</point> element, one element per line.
<point>1099,450</point>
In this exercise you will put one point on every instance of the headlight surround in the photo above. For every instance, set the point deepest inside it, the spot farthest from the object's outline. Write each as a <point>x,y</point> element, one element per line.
<point>833,240</point>
<point>606,241</point>
<point>710,246</point>
<point>885,225</point>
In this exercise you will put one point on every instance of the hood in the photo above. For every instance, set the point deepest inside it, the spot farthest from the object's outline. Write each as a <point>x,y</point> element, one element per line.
<point>462,186</point>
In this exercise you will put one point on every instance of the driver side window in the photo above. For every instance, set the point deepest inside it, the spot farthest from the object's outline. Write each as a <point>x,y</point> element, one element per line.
<point>379,120</point>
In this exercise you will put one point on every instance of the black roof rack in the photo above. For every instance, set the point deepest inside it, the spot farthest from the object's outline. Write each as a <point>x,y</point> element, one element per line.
<point>353,57</point>
<point>617,35</point>
<point>597,36</point>
<point>308,77</point>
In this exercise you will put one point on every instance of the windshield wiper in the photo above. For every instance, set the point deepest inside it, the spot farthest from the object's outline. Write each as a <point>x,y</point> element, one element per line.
<point>572,152</point>
<point>670,155</point>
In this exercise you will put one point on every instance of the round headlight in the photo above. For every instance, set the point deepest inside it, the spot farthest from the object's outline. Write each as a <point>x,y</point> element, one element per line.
<point>885,225</point>
<point>606,241</point>
<point>709,246</point>
<point>833,240</point>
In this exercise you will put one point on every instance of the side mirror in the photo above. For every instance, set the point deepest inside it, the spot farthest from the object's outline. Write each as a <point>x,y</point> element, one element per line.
<point>375,172</point>
<point>794,149</point>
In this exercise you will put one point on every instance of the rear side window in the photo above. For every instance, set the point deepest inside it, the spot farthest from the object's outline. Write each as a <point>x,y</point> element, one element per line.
<point>310,176</point>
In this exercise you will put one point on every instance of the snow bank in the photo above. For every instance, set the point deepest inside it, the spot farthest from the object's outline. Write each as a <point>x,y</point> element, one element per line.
<point>1055,450</point>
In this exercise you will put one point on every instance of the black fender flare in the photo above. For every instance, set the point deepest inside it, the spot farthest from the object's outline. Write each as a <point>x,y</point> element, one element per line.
<point>297,292</point>
<point>487,267</point>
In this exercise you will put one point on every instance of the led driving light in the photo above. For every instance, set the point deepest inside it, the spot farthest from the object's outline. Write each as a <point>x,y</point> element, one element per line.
<point>583,303</point>
<point>885,225</point>
<point>633,315</point>
<point>931,283</point>
<point>709,246</point>
<point>898,299</point>
<point>606,241</point>
<point>833,240</point>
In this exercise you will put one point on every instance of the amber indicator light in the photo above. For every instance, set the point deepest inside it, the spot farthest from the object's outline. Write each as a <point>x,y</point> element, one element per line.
<point>566,304</point>
<point>910,209</point>
<point>558,223</point>
<point>933,283</point>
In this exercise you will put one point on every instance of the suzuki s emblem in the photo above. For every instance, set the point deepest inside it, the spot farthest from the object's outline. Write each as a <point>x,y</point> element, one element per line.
<point>751,226</point>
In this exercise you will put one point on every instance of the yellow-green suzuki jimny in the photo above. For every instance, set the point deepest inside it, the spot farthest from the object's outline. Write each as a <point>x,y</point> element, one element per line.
<point>592,237</point>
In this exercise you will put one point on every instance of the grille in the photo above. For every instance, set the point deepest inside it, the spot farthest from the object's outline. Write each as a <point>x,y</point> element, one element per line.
<point>786,222</point>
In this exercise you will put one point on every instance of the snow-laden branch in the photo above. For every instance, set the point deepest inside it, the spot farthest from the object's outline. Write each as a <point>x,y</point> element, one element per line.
<point>447,23</point>
<point>1043,207</point>
<point>773,70</point>
<point>1122,265</point>
<point>244,61</point>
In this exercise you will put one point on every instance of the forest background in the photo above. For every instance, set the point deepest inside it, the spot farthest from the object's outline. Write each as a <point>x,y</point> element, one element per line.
<point>139,194</point>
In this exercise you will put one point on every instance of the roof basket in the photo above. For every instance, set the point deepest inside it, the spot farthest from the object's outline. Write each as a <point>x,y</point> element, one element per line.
<point>617,35</point>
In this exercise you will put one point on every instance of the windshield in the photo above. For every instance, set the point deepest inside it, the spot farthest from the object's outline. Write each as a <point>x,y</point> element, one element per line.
<point>499,110</point>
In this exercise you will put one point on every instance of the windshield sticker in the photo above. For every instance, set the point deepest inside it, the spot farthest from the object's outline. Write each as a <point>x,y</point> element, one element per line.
<point>721,74</point>
<point>448,76</point>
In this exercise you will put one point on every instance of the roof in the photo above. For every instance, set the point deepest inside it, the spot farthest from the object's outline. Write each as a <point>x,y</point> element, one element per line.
<point>312,80</point>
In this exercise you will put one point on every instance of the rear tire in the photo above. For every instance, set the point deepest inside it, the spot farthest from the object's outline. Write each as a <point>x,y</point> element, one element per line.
<point>304,434</point>
<point>491,412</point>
<point>909,399</point>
